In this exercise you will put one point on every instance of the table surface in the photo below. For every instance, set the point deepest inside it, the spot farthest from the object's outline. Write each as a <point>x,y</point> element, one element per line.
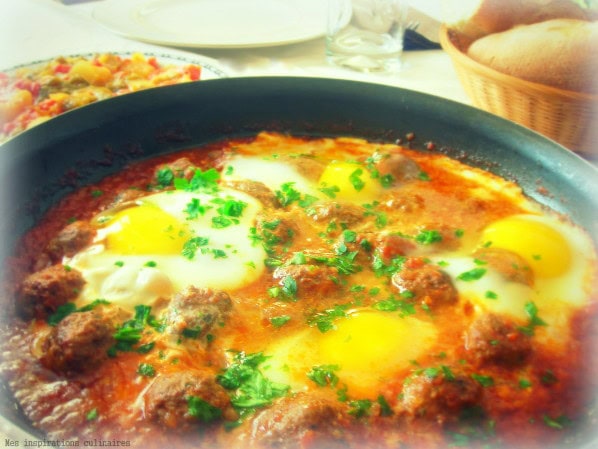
<point>32,30</point>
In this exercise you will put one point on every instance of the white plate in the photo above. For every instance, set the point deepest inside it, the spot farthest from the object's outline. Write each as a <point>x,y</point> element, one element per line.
<point>215,23</point>
<point>210,68</point>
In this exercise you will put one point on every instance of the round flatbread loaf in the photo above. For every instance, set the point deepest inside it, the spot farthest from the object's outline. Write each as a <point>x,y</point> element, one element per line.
<point>473,19</point>
<point>561,53</point>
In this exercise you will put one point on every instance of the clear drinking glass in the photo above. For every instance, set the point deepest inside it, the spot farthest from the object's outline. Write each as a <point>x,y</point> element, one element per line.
<point>366,35</point>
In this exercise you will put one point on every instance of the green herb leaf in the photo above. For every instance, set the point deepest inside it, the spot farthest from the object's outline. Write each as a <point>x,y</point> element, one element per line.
<point>324,320</point>
<point>360,407</point>
<point>252,389</point>
<point>191,246</point>
<point>279,321</point>
<point>558,423</point>
<point>484,381</point>
<point>202,410</point>
<point>355,179</point>
<point>428,237</point>
<point>324,375</point>
<point>147,370</point>
<point>472,275</point>
<point>385,409</point>
<point>164,177</point>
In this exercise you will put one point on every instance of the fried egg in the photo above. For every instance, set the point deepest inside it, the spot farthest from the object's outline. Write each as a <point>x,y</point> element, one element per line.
<point>271,172</point>
<point>167,241</point>
<point>340,180</point>
<point>560,256</point>
<point>363,350</point>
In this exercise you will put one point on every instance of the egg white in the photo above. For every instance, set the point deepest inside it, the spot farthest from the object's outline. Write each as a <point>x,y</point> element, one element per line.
<point>126,279</point>
<point>366,349</point>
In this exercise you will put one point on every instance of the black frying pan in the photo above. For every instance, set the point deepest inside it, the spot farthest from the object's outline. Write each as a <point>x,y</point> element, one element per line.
<point>82,146</point>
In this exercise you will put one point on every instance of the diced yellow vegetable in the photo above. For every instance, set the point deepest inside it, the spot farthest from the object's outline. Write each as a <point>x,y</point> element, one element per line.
<point>17,103</point>
<point>94,75</point>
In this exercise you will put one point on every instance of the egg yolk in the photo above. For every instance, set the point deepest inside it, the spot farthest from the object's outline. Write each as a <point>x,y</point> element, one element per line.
<point>543,247</point>
<point>145,229</point>
<point>349,181</point>
<point>369,345</point>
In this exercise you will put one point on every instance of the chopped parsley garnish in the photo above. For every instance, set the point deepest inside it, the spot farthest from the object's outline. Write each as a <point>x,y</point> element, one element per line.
<point>194,209</point>
<point>385,409</point>
<point>381,217</point>
<point>147,370</point>
<point>289,287</point>
<point>349,236</point>
<point>423,176</point>
<point>484,381</point>
<point>324,320</point>
<point>548,378</point>
<point>360,407</point>
<point>92,414</point>
<point>393,305</point>
<point>472,275</point>
<point>96,193</point>
<point>344,263</point>
<point>191,332</point>
<point>150,264</point>
<point>491,295</point>
<point>232,208</point>
<point>329,191</point>
<point>324,375</point>
<point>129,333</point>
<point>191,246</point>
<point>279,321</point>
<point>355,179</point>
<point>558,423</point>
<point>202,410</point>
<point>201,181</point>
<point>220,222</point>
<point>287,194</point>
<point>65,310</point>
<point>252,389</point>
<point>524,383</point>
<point>164,177</point>
<point>383,269</point>
<point>428,237</point>
<point>534,320</point>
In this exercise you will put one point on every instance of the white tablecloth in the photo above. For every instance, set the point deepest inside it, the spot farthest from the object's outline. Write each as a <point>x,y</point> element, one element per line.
<point>32,30</point>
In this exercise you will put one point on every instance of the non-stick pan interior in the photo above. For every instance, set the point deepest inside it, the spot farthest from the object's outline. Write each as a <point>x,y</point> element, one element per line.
<point>82,146</point>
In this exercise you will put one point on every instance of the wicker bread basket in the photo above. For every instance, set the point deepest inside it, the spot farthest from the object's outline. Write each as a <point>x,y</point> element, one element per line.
<point>568,117</point>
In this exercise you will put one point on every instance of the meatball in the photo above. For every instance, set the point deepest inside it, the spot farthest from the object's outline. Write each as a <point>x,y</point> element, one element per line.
<point>306,165</point>
<point>71,240</point>
<point>183,400</point>
<point>439,398</point>
<point>291,421</point>
<point>181,168</point>
<point>256,189</point>
<point>400,167</point>
<point>126,196</point>
<point>310,280</point>
<point>495,340</point>
<point>42,292</point>
<point>78,343</point>
<point>509,264</point>
<point>344,213</point>
<point>391,245</point>
<point>426,283</point>
<point>276,228</point>
<point>193,312</point>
